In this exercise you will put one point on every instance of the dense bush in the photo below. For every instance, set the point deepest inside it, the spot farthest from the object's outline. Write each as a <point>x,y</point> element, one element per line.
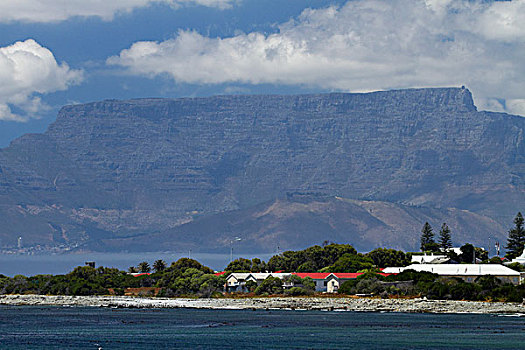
<point>183,277</point>
<point>311,259</point>
<point>245,265</point>
<point>383,257</point>
<point>425,284</point>
<point>271,285</point>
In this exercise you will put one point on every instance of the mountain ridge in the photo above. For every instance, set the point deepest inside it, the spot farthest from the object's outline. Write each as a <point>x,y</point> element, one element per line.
<point>146,166</point>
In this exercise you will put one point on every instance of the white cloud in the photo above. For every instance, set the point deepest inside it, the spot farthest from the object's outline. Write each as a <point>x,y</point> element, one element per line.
<point>516,106</point>
<point>26,71</point>
<point>362,46</point>
<point>60,10</point>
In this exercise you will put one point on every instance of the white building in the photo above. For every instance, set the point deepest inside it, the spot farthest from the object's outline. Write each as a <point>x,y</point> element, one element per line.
<point>467,272</point>
<point>324,281</point>
<point>429,259</point>
<point>520,259</point>
<point>236,282</point>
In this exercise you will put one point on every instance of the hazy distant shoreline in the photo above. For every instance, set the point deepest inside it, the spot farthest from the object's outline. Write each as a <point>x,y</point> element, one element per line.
<point>292,303</point>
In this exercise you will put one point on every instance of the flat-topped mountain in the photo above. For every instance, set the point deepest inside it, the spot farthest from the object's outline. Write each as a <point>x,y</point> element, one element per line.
<point>164,172</point>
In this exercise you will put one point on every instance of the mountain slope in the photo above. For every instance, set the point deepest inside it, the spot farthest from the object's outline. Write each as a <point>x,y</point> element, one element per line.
<point>134,168</point>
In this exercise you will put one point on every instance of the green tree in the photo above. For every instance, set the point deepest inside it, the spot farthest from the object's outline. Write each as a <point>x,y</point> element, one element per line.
<point>240,265</point>
<point>384,257</point>
<point>144,267</point>
<point>445,240</point>
<point>516,239</point>
<point>185,263</point>
<point>351,263</point>
<point>159,265</point>
<point>133,269</point>
<point>427,239</point>
<point>467,253</point>
<point>271,285</point>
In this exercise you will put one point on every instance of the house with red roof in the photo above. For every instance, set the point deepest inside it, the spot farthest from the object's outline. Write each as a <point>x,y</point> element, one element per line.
<point>328,282</point>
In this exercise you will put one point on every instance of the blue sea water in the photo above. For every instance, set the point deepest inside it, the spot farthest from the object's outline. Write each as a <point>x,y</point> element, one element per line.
<point>29,265</point>
<point>30,327</point>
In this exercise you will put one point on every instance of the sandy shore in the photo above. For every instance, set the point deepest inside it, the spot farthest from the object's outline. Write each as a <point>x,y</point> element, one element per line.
<point>346,304</point>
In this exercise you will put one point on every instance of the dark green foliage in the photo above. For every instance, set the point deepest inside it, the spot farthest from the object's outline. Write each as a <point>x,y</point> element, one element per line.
<point>383,257</point>
<point>308,266</point>
<point>411,275</point>
<point>251,285</point>
<point>306,284</point>
<point>245,265</point>
<point>159,265</point>
<point>311,259</point>
<point>185,263</point>
<point>368,283</point>
<point>516,239</point>
<point>271,285</point>
<point>184,277</point>
<point>427,239</point>
<point>296,291</point>
<point>189,277</point>
<point>411,283</point>
<point>493,260</point>
<point>488,282</point>
<point>144,267</point>
<point>351,263</point>
<point>445,239</point>
<point>239,265</point>
<point>467,254</point>
<point>465,291</point>
<point>517,267</point>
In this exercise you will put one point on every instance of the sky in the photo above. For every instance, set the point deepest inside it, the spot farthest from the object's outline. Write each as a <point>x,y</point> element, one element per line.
<point>55,52</point>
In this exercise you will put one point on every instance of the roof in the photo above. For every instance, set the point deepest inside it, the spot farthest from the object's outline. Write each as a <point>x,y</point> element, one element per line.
<point>219,273</point>
<point>340,275</point>
<point>312,275</point>
<point>390,270</point>
<point>256,275</point>
<point>461,269</point>
<point>238,275</point>
<point>429,259</point>
<point>347,275</point>
<point>138,274</point>
<point>265,275</point>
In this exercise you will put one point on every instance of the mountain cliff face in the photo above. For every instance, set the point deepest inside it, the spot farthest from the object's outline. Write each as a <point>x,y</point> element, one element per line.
<point>127,171</point>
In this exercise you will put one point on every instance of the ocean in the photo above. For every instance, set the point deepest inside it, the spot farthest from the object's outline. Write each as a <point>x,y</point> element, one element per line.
<point>29,265</point>
<point>30,327</point>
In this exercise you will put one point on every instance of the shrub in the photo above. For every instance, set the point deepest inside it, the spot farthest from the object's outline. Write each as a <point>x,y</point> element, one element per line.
<point>271,285</point>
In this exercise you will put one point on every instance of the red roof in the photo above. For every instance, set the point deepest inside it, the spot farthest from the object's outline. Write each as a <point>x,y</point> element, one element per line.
<point>341,275</point>
<point>140,274</point>
<point>220,273</point>
<point>313,275</point>
<point>345,275</point>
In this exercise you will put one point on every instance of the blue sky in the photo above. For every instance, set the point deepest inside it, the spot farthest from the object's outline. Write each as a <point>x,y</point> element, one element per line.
<point>52,54</point>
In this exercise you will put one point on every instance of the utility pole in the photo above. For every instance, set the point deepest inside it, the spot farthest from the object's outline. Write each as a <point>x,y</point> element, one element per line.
<point>236,239</point>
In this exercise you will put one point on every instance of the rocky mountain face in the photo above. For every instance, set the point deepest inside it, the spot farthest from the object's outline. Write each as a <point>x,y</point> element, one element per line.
<point>169,174</point>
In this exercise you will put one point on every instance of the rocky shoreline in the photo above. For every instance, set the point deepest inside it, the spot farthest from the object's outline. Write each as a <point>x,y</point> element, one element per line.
<point>289,303</point>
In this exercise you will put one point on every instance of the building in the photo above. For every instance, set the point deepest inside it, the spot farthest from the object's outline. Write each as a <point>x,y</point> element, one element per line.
<point>467,272</point>
<point>328,282</point>
<point>429,259</point>
<point>236,282</point>
<point>520,259</point>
